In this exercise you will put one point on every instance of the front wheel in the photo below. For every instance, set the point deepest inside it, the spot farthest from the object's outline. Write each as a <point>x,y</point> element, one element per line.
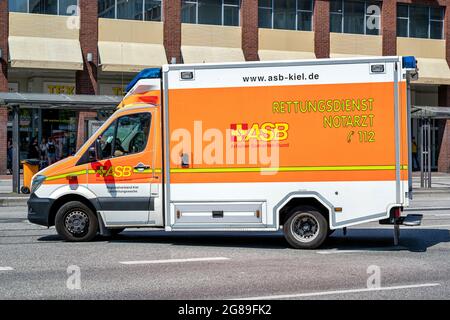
<point>76,222</point>
<point>306,228</point>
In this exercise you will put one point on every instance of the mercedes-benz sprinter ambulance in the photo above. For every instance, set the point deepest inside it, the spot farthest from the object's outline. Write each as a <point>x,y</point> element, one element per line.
<point>304,146</point>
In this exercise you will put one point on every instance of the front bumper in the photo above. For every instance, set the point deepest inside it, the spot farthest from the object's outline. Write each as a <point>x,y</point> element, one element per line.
<point>39,210</point>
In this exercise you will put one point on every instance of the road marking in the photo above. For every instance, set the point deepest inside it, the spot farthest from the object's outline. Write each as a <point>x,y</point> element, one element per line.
<point>427,209</point>
<point>336,251</point>
<point>442,215</point>
<point>6,269</point>
<point>339,251</point>
<point>324,293</point>
<point>175,260</point>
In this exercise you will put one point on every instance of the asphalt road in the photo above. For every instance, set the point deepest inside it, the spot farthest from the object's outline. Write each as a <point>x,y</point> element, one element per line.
<point>156,265</point>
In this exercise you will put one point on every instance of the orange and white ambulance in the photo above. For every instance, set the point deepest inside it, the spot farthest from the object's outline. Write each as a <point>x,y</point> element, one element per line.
<point>305,146</point>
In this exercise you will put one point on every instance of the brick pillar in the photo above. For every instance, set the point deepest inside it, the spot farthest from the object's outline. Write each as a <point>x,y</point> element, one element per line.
<point>81,130</point>
<point>322,28</point>
<point>172,29</point>
<point>444,100</point>
<point>249,23</point>
<point>447,33</point>
<point>444,132</point>
<point>389,27</point>
<point>4,31</point>
<point>86,79</point>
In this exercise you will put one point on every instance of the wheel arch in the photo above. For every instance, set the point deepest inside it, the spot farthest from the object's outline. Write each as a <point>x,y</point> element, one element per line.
<point>58,203</point>
<point>307,198</point>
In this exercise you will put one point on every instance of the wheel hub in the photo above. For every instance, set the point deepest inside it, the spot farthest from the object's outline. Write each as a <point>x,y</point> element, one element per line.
<point>305,227</point>
<point>77,223</point>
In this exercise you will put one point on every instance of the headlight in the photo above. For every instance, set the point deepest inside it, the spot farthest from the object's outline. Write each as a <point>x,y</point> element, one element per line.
<point>37,181</point>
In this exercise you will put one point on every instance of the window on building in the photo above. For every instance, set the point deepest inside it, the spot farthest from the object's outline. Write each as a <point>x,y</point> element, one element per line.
<point>358,17</point>
<point>56,7</point>
<point>420,21</point>
<point>285,14</point>
<point>107,9</point>
<point>147,10</point>
<point>67,7</point>
<point>130,9</point>
<point>18,5</point>
<point>217,12</point>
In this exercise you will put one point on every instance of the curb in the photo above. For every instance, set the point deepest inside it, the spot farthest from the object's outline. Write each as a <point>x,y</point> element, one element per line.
<point>427,209</point>
<point>13,201</point>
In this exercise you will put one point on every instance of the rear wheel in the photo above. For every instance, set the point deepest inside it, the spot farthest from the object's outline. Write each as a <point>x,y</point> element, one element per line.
<point>75,221</point>
<point>305,228</point>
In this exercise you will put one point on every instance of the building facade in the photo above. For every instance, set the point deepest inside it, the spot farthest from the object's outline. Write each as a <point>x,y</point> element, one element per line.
<point>96,47</point>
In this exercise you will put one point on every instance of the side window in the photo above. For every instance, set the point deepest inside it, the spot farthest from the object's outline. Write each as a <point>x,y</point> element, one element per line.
<point>127,135</point>
<point>132,134</point>
<point>106,141</point>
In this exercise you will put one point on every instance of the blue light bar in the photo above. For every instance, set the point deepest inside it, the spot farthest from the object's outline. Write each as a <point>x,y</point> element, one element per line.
<point>152,73</point>
<point>409,62</point>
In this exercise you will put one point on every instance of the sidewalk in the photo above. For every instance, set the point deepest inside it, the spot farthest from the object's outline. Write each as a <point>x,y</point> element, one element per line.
<point>7,197</point>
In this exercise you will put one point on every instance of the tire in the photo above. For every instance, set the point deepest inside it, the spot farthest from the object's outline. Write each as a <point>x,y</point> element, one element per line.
<point>315,229</point>
<point>76,222</point>
<point>25,190</point>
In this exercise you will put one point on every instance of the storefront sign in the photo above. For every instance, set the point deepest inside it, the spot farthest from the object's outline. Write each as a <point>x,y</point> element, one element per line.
<point>112,89</point>
<point>59,88</point>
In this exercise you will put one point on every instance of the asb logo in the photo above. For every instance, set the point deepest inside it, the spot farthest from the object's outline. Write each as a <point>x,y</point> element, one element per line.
<point>114,171</point>
<point>266,131</point>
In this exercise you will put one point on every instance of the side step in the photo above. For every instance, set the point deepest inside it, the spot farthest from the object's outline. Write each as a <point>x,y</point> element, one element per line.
<point>410,220</point>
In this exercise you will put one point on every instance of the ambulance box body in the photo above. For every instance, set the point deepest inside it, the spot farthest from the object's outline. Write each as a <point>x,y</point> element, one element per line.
<point>308,146</point>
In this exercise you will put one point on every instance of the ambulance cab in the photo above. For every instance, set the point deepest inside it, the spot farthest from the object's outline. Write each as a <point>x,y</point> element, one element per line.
<point>116,174</point>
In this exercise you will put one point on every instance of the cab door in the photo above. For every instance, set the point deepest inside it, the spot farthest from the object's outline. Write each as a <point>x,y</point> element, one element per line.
<point>123,174</point>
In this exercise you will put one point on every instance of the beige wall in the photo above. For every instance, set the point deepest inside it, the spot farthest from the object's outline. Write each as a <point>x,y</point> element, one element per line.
<point>210,36</point>
<point>117,30</point>
<point>425,48</point>
<point>42,25</point>
<point>286,40</point>
<point>355,44</point>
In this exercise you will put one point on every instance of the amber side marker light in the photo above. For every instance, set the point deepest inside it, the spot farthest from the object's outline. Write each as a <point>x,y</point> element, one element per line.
<point>338,209</point>
<point>258,213</point>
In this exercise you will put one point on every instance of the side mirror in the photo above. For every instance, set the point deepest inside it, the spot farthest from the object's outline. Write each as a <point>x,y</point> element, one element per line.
<point>92,154</point>
<point>95,152</point>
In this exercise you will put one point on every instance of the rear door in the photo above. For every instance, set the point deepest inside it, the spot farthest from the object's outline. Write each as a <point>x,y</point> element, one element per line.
<point>122,180</point>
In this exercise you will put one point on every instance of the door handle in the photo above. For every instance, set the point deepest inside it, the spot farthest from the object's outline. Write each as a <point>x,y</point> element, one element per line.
<point>141,167</point>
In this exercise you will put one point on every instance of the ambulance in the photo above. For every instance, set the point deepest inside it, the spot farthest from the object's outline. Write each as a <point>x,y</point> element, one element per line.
<point>306,147</point>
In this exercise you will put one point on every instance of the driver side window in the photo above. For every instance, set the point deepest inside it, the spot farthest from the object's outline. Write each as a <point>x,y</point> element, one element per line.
<point>127,135</point>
